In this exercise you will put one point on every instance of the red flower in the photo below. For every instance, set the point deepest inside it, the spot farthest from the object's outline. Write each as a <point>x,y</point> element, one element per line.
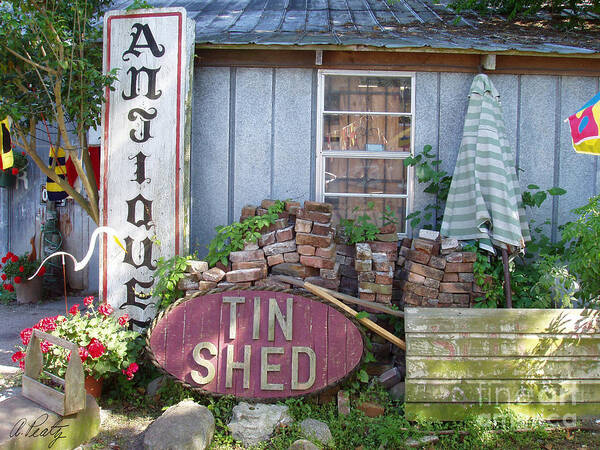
<point>133,368</point>
<point>22,365</point>
<point>9,287</point>
<point>46,324</point>
<point>15,171</point>
<point>26,335</point>
<point>96,348</point>
<point>23,153</point>
<point>4,259</point>
<point>14,258</point>
<point>83,353</point>
<point>74,309</point>
<point>4,277</point>
<point>105,309</point>
<point>45,345</point>
<point>21,269</point>
<point>42,271</point>
<point>88,300</point>
<point>18,356</point>
<point>18,280</point>
<point>123,320</point>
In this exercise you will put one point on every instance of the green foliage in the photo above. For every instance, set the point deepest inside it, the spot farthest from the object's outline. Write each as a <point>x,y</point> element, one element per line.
<point>7,296</point>
<point>583,253</point>
<point>168,273</point>
<point>489,276</point>
<point>427,170</point>
<point>19,266</point>
<point>231,238</point>
<point>363,228</point>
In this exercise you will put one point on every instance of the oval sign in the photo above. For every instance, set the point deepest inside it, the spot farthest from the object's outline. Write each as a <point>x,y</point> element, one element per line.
<point>255,344</point>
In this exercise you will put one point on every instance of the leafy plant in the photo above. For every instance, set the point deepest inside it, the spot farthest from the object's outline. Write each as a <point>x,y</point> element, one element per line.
<point>7,296</point>
<point>232,238</point>
<point>427,170</point>
<point>168,273</point>
<point>17,269</point>
<point>361,229</point>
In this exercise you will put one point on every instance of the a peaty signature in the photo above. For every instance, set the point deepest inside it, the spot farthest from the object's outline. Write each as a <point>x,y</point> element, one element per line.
<point>38,428</point>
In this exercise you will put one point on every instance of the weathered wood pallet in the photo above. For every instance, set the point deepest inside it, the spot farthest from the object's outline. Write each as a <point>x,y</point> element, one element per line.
<point>536,362</point>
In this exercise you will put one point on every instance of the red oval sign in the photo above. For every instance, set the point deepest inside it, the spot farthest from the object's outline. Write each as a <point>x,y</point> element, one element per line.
<point>256,344</point>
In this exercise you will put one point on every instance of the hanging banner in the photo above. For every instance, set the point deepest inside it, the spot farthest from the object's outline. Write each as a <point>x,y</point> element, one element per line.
<point>255,344</point>
<point>144,182</point>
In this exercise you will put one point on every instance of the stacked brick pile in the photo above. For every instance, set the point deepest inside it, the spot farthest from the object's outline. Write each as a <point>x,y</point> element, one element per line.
<point>375,274</point>
<point>437,273</point>
<point>348,275</point>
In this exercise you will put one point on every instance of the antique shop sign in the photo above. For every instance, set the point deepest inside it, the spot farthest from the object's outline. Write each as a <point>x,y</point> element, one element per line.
<point>256,344</point>
<point>144,182</point>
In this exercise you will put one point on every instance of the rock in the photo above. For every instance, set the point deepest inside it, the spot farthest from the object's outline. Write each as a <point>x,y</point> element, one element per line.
<point>303,444</point>
<point>197,267</point>
<point>429,235</point>
<point>316,430</point>
<point>343,403</point>
<point>155,385</point>
<point>397,391</point>
<point>390,377</point>
<point>371,409</point>
<point>252,424</point>
<point>422,441</point>
<point>215,275</point>
<point>185,425</point>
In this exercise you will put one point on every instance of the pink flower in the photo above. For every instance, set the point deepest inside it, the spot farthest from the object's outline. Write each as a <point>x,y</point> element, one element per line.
<point>96,348</point>
<point>105,309</point>
<point>18,280</point>
<point>26,335</point>
<point>88,300</point>
<point>133,368</point>
<point>74,310</point>
<point>123,320</point>
<point>18,356</point>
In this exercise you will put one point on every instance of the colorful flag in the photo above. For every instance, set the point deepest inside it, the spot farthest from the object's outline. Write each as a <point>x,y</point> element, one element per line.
<point>55,192</point>
<point>585,126</point>
<point>7,159</point>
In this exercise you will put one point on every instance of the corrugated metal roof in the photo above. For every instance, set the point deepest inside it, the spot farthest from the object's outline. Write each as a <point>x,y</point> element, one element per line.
<point>376,23</point>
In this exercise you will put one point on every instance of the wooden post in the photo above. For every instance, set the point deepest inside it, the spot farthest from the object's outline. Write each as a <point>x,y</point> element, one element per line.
<point>507,287</point>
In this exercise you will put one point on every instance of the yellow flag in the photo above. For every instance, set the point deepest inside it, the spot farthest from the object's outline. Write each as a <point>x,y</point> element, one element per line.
<point>7,153</point>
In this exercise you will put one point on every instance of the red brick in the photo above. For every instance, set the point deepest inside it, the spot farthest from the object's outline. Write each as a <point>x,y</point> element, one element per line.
<point>249,265</point>
<point>429,235</point>
<point>386,237</point>
<point>401,261</point>
<point>267,239</point>
<point>303,226</point>
<point>292,206</point>
<point>389,228</point>
<point>431,283</point>
<point>426,246</point>
<point>321,230</point>
<point>418,256</point>
<point>328,284</point>
<point>410,298</point>
<point>215,274</point>
<point>252,255</point>
<point>455,287</point>
<point>294,270</point>
<point>243,284</point>
<point>260,211</point>
<point>249,210</point>
<point>469,257</point>
<point>466,277</point>
<point>377,288</point>
<point>455,257</point>
<point>267,203</point>
<point>346,250</point>
<point>416,278</point>
<point>244,275</point>
<point>327,252</point>
<point>279,247</point>
<point>450,277</point>
<point>292,257</point>
<point>306,250</point>
<point>426,271</point>
<point>318,206</point>
<point>331,274</point>
<point>313,239</point>
<point>368,277</point>
<point>459,267</point>
<point>361,265</point>
<point>315,216</point>
<point>381,262</point>
<point>278,225</point>
<point>384,247</point>
<point>407,242</point>
<point>348,271</point>
<point>437,263</point>
<point>363,251</point>
<point>275,259</point>
<point>315,261</point>
<point>287,234</point>
<point>206,285</point>
<point>384,278</point>
<point>188,283</point>
<point>383,298</point>
<point>367,296</point>
<point>453,298</point>
<point>421,290</point>
<point>271,282</point>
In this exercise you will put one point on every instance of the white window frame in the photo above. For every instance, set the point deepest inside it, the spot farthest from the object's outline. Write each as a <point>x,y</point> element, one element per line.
<point>363,154</point>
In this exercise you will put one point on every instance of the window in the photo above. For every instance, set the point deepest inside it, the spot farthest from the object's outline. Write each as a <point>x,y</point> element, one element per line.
<point>365,130</point>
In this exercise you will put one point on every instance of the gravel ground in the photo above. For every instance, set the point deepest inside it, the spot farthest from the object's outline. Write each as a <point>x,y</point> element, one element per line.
<point>15,317</point>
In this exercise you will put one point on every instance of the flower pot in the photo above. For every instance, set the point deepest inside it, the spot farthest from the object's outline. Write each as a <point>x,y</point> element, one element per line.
<point>29,291</point>
<point>7,179</point>
<point>93,386</point>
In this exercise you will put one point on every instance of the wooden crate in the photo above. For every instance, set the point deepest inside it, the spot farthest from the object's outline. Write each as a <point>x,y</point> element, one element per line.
<point>69,402</point>
<point>537,362</point>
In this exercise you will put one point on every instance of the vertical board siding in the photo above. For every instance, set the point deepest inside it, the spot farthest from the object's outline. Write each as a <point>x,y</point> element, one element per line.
<point>536,362</point>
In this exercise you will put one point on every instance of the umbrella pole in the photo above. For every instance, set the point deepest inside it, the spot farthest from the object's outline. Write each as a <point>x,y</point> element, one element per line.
<point>507,289</point>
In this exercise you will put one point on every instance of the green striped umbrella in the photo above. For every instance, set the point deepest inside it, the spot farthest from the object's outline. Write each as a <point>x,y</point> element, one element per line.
<point>484,201</point>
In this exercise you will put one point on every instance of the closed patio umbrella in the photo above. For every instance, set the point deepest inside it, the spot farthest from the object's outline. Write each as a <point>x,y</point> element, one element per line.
<point>484,201</point>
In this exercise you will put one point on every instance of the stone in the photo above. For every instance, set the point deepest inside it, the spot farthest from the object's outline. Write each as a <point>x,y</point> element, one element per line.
<point>206,285</point>
<point>279,247</point>
<point>326,252</point>
<point>313,239</point>
<point>241,256</point>
<point>322,282</point>
<point>429,234</point>
<point>243,275</point>
<point>196,267</point>
<point>294,270</point>
<point>397,391</point>
<point>273,260</point>
<point>459,267</point>
<point>371,409</point>
<point>249,246</point>
<point>315,216</point>
<point>466,277</point>
<point>306,250</point>
<point>419,257</point>
<point>318,206</point>
<point>426,271</point>
<point>186,425</point>
<point>449,245</point>
<point>363,251</point>
<point>315,261</point>
<point>321,229</point>
<point>437,263</point>
<point>431,283</point>
<point>343,403</point>
<point>267,203</point>
<point>381,262</point>
<point>287,234</point>
<point>390,377</point>
<point>331,274</point>
<point>267,239</point>
<point>189,282</point>
<point>455,288</point>
<point>423,441</point>
<point>215,274</point>
<point>252,424</point>
<point>249,265</point>
<point>303,226</point>
<point>302,444</point>
<point>291,205</point>
<point>249,210</point>
<point>316,430</point>
<point>70,432</point>
<point>155,385</point>
<point>292,257</point>
<point>363,265</point>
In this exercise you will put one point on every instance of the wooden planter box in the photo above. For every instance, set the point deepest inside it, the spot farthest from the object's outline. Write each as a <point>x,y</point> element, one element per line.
<point>536,362</point>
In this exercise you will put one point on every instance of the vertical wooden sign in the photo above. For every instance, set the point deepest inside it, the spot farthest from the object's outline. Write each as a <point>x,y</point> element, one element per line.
<point>144,192</point>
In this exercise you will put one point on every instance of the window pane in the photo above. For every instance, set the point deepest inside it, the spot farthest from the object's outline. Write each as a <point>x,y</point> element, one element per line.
<point>369,133</point>
<point>365,176</point>
<point>344,208</point>
<point>367,94</point>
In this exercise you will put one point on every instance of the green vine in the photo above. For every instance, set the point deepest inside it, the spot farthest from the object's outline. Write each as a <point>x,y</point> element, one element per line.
<point>232,238</point>
<point>363,228</point>
<point>168,273</point>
